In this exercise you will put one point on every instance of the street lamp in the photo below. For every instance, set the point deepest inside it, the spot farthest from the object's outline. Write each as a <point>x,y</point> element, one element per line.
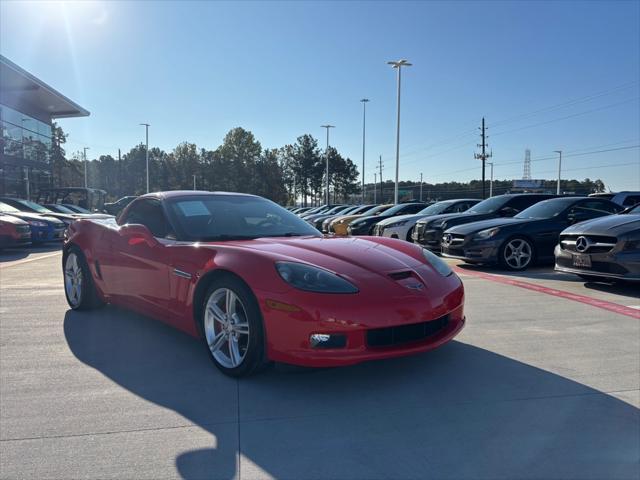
<point>491,181</point>
<point>326,153</point>
<point>398,65</point>
<point>420,186</point>
<point>559,170</point>
<point>364,123</point>
<point>146,127</point>
<point>85,166</point>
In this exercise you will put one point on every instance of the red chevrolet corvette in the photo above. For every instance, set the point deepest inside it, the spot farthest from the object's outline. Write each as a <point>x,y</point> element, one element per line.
<point>259,284</point>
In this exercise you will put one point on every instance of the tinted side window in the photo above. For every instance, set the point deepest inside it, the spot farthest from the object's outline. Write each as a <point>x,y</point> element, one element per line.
<point>598,206</point>
<point>149,213</point>
<point>631,200</point>
<point>525,201</point>
<point>411,209</point>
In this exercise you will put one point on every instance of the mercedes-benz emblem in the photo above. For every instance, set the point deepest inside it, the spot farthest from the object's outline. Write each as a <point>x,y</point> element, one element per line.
<point>582,244</point>
<point>447,238</point>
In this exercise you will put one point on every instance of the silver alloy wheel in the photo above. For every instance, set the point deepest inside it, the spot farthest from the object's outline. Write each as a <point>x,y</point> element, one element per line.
<point>226,327</point>
<point>73,279</point>
<point>517,253</point>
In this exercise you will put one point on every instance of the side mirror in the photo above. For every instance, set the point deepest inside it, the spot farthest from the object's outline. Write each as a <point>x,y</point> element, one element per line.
<point>137,234</point>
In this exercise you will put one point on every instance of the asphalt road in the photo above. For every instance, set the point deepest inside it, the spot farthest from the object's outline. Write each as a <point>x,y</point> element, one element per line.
<point>540,384</point>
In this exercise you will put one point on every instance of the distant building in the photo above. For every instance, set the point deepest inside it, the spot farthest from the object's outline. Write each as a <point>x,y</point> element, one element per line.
<point>28,106</point>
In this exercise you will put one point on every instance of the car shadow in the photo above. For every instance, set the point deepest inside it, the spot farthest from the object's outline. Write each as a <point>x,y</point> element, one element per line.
<point>537,272</point>
<point>459,411</point>
<point>12,254</point>
<point>624,289</point>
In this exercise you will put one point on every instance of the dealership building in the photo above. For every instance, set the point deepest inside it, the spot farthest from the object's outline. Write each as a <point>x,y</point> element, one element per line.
<point>28,106</point>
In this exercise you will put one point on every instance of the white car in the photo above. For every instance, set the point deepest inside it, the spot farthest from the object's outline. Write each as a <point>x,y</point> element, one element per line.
<point>402,225</point>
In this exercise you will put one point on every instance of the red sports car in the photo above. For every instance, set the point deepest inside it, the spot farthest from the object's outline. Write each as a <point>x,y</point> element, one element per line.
<point>259,284</point>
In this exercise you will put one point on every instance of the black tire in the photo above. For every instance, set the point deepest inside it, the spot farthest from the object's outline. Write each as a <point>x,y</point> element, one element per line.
<point>409,233</point>
<point>89,298</point>
<point>505,249</point>
<point>254,357</point>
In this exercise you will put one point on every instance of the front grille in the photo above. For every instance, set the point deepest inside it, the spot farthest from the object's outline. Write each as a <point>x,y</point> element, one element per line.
<point>23,229</point>
<point>391,336</point>
<point>597,243</point>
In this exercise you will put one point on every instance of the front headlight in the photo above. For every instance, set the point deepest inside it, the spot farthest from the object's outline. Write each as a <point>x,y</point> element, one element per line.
<point>631,245</point>
<point>436,262</point>
<point>36,223</point>
<point>488,233</point>
<point>313,279</point>
<point>397,224</point>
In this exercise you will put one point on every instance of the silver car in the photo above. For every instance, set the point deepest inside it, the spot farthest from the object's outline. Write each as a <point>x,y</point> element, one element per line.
<point>607,248</point>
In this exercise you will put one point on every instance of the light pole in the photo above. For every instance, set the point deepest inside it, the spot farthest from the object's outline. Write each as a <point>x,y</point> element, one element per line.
<point>85,166</point>
<point>420,186</point>
<point>398,66</point>
<point>559,170</point>
<point>326,154</point>
<point>146,127</point>
<point>194,182</point>
<point>375,188</point>
<point>491,181</point>
<point>364,123</point>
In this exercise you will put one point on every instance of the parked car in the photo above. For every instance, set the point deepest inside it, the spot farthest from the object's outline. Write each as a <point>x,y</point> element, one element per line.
<point>603,249</point>
<point>58,208</point>
<point>310,219</point>
<point>43,227</point>
<point>324,227</point>
<point>529,237</point>
<point>91,199</point>
<point>626,199</point>
<point>301,210</point>
<point>13,232</point>
<point>402,226</point>
<point>428,231</point>
<point>320,209</point>
<point>364,225</point>
<point>114,208</point>
<point>236,269</point>
<point>75,208</point>
<point>29,206</point>
<point>340,225</point>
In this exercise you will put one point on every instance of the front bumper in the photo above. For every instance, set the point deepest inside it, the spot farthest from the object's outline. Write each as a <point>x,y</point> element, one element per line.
<point>611,265</point>
<point>359,230</point>
<point>427,236</point>
<point>472,251</point>
<point>372,331</point>
<point>392,232</point>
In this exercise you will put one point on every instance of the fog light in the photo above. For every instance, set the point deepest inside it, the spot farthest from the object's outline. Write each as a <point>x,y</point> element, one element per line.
<point>324,340</point>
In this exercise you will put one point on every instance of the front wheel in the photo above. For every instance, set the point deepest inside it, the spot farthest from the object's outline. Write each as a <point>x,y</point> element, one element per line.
<point>232,327</point>
<point>516,254</point>
<point>78,284</point>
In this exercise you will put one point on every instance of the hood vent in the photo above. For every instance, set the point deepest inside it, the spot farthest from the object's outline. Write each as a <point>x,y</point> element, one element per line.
<point>401,275</point>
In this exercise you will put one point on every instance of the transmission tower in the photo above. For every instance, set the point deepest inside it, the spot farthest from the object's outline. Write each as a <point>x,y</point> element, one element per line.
<point>526,174</point>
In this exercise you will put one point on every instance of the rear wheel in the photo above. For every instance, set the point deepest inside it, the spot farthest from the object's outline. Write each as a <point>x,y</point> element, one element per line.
<point>78,284</point>
<point>232,326</point>
<point>516,254</point>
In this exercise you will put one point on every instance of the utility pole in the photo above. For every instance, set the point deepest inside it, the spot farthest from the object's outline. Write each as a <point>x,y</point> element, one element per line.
<point>559,170</point>
<point>420,186</point>
<point>483,156</point>
<point>364,124</point>
<point>326,154</point>
<point>85,166</point>
<point>375,186</point>
<point>381,192</point>
<point>119,188</point>
<point>398,66</point>
<point>146,126</point>
<point>194,182</point>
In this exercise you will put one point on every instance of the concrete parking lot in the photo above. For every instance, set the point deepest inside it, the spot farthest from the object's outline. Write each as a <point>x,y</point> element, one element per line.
<point>544,382</point>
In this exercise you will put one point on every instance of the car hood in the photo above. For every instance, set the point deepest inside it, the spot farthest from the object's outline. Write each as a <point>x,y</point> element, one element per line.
<point>400,218</point>
<point>11,219</point>
<point>474,227</point>
<point>34,216</point>
<point>610,225</point>
<point>455,218</point>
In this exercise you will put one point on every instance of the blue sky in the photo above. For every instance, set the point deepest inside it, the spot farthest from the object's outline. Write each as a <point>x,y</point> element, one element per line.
<point>546,75</point>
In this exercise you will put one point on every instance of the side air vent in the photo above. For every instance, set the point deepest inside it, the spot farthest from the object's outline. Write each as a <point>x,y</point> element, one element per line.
<point>400,275</point>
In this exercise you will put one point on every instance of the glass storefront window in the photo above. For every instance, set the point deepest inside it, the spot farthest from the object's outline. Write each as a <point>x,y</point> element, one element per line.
<point>24,136</point>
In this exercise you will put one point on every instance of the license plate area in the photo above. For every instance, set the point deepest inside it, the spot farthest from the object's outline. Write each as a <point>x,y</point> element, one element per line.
<point>582,261</point>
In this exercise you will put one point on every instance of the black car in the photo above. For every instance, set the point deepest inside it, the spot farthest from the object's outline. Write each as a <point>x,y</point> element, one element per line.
<point>364,225</point>
<point>116,207</point>
<point>602,249</point>
<point>428,231</point>
<point>517,243</point>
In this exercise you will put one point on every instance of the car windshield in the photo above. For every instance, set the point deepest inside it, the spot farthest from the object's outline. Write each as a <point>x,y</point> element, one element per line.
<point>546,209</point>
<point>489,205</point>
<point>435,209</point>
<point>234,217</point>
<point>78,209</point>
<point>7,208</point>
<point>61,209</point>
<point>635,210</point>
<point>396,209</point>
<point>34,206</point>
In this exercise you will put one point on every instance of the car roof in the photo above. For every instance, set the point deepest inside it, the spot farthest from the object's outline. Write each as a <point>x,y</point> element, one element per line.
<point>191,193</point>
